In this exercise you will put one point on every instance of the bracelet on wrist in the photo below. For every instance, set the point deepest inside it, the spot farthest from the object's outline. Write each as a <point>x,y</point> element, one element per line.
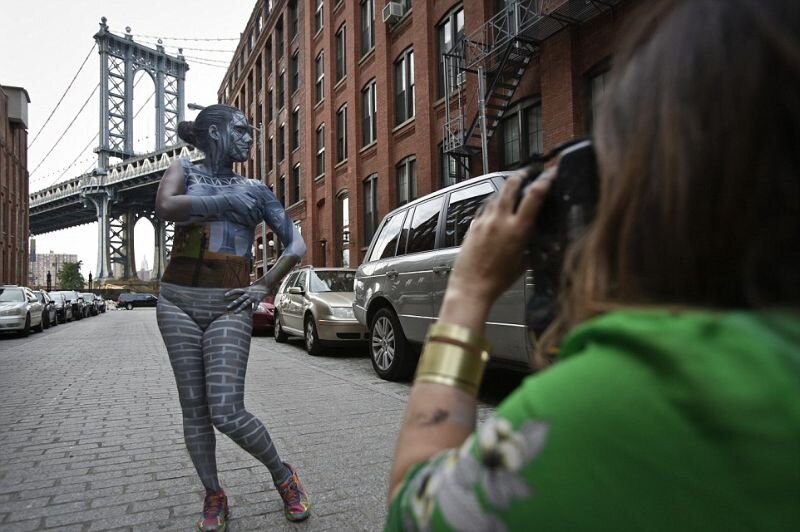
<point>452,365</point>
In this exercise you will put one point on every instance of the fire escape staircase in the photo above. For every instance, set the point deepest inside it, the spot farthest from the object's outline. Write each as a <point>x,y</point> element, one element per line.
<point>499,53</point>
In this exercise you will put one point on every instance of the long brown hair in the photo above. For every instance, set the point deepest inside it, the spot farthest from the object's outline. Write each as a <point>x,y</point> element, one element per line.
<point>698,142</point>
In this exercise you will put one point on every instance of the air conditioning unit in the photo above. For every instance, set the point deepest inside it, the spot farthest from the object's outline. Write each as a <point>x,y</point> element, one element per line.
<point>392,12</point>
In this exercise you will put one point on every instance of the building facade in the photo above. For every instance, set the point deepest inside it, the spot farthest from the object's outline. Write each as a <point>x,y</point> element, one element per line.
<point>359,110</point>
<point>14,227</point>
<point>43,263</point>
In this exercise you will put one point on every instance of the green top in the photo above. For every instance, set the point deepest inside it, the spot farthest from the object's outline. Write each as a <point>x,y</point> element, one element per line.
<point>652,421</point>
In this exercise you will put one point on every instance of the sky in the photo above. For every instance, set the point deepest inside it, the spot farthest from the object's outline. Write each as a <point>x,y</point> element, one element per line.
<point>44,42</point>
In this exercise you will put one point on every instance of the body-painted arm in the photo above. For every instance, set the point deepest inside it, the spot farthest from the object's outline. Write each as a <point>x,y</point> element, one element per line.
<point>294,250</point>
<point>173,204</point>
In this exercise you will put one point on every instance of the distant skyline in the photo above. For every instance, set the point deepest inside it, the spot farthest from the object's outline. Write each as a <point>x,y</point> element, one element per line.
<point>44,43</point>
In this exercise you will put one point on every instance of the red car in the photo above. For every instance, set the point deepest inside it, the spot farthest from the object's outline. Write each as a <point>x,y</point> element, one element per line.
<point>264,315</point>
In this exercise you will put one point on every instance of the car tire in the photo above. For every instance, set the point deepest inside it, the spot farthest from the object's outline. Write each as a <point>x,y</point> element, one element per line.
<point>312,341</point>
<point>40,327</point>
<point>129,306</point>
<point>392,357</point>
<point>26,330</point>
<point>277,331</point>
<point>46,320</point>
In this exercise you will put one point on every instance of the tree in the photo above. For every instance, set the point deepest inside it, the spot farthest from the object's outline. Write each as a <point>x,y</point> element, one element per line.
<point>70,276</point>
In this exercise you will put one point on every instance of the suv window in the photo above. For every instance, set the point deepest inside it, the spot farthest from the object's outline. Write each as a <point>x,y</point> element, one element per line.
<point>422,236</point>
<point>386,242</point>
<point>463,205</point>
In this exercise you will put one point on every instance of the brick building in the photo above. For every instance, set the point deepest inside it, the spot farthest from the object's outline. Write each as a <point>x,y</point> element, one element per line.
<point>351,100</point>
<point>14,228</point>
<point>42,263</point>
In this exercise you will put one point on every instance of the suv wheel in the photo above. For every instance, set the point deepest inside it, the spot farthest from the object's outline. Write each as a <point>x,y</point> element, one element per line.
<point>129,306</point>
<point>277,330</point>
<point>391,355</point>
<point>313,344</point>
<point>40,327</point>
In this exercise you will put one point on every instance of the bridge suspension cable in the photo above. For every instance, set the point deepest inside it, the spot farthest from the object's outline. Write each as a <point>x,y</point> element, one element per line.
<point>185,38</point>
<point>218,50</point>
<point>80,68</point>
<point>67,129</point>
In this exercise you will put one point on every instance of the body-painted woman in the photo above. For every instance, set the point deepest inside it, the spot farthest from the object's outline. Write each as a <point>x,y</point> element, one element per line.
<point>205,309</point>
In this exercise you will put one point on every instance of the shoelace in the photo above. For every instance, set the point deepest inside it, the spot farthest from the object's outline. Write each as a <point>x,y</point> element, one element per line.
<point>213,505</point>
<point>291,492</point>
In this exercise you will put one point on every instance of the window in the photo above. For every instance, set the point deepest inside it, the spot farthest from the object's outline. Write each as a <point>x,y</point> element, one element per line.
<point>282,190</point>
<point>270,154</point>
<point>406,180</point>
<point>386,243</point>
<point>318,17</point>
<point>341,134</point>
<point>269,56</point>
<point>422,236</point>
<point>296,183</point>
<point>267,8</point>
<point>320,160</point>
<point>450,32</point>
<point>341,45</point>
<point>369,129</point>
<point>453,169</point>
<point>463,205</point>
<point>370,206</point>
<point>294,69</point>
<point>597,87</point>
<point>295,142</point>
<point>279,38</point>
<point>259,76</point>
<point>343,227</point>
<point>404,87</point>
<point>281,142</point>
<point>367,26</point>
<point>523,134</point>
<point>320,69</point>
<point>294,19</point>
<point>281,90</point>
<point>269,105</point>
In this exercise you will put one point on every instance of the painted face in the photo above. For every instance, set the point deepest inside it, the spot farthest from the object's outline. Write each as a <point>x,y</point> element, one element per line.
<point>239,138</point>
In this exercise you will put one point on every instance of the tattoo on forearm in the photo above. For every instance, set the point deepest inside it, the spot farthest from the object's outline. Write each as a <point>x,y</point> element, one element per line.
<point>438,416</point>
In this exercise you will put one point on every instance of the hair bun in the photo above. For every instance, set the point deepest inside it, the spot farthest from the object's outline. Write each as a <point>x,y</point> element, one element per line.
<point>186,132</point>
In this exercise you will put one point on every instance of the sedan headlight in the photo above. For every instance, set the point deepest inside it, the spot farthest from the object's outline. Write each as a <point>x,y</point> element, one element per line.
<point>12,312</point>
<point>343,313</point>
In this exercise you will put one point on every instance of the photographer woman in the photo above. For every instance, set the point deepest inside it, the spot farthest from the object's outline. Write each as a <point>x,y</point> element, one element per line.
<point>676,401</point>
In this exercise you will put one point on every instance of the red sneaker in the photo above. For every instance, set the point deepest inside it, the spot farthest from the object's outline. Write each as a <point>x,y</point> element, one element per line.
<point>295,502</point>
<point>215,512</point>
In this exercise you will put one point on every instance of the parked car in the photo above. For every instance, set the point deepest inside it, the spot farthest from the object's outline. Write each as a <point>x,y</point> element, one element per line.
<point>75,300</point>
<point>91,307</point>
<point>400,285</point>
<point>63,308</point>
<point>132,300</point>
<point>264,315</point>
<point>100,302</point>
<point>20,310</point>
<point>317,304</point>
<point>49,312</point>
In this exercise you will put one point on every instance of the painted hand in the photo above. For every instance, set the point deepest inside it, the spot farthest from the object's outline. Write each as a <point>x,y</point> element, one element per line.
<point>245,211</point>
<point>247,297</point>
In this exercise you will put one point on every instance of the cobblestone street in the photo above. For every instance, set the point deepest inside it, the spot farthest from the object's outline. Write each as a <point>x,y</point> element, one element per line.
<point>92,436</point>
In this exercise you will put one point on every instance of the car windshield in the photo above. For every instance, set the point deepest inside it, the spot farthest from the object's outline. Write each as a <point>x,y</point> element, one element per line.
<point>11,295</point>
<point>331,281</point>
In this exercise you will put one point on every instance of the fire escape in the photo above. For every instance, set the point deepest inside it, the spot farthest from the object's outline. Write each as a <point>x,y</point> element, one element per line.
<point>499,53</point>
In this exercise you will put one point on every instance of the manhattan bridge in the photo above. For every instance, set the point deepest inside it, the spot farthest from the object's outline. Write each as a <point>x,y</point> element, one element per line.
<point>118,194</point>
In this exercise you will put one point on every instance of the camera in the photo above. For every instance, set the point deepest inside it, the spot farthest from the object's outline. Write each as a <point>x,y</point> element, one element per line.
<point>566,212</point>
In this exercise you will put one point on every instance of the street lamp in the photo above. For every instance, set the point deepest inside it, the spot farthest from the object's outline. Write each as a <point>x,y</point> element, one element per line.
<point>324,243</point>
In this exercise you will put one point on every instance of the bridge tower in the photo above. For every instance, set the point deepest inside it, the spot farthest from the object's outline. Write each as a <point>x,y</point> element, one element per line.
<point>120,60</point>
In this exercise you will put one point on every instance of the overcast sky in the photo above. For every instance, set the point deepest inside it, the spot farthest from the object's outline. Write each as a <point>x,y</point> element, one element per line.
<point>43,43</point>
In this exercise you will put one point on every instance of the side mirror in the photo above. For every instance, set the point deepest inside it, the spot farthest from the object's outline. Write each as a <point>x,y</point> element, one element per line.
<point>296,290</point>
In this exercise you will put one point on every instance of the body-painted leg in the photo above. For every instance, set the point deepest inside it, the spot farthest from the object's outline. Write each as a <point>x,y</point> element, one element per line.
<point>183,339</point>
<point>226,348</point>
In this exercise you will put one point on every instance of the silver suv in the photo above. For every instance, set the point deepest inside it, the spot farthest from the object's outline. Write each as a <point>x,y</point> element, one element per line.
<point>400,286</point>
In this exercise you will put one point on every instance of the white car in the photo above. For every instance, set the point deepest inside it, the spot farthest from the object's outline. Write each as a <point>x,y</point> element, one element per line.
<point>20,310</point>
